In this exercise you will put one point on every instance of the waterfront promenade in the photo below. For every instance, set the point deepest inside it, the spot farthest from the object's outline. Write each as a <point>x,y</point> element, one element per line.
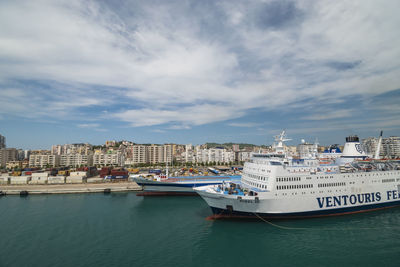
<point>70,188</point>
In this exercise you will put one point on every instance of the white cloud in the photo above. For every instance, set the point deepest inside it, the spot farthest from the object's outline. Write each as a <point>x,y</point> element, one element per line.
<point>92,126</point>
<point>244,124</point>
<point>179,127</point>
<point>88,125</point>
<point>166,65</point>
<point>333,114</point>
<point>182,118</point>
<point>158,131</point>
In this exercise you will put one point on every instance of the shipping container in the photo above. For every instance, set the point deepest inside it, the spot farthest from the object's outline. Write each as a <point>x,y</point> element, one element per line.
<point>56,180</point>
<point>19,179</point>
<point>39,178</point>
<point>75,179</point>
<point>78,173</point>
<point>4,180</point>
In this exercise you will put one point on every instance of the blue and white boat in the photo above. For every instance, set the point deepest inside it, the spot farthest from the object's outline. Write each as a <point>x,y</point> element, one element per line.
<point>277,186</point>
<point>164,185</point>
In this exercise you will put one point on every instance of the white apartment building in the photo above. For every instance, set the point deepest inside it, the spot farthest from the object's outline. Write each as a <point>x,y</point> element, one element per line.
<point>307,150</point>
<point>139,154</point>
<point>76,160</point>
<point>104,159</point>
<point>168,152</point>
<point>153,154</point>
<point>390,147</point>
<point>42,161</point>
<point>189,153</point>
<point>244,156</point>
<point>84,149</point>
<point>200,155</point>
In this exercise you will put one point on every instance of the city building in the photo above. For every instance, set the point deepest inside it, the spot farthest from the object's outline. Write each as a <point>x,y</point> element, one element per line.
<point>202,155</point>
<point>108,159</point>
<point>291,150</point>
<point>155,154</point>
<point>159,153</point>
<point>390,146</point>
<point>84,149</point>
<point>111,143</point>
<point>138,154</point>
<point>20,164</point>
<point>307,150</point>
<point>8,154</point>
<point>189,153</point>
<point>235,147</point>
<point>2,142</point>
<point>44,160</point>
<point>370,145</point>
<point>168,153</point>
<point>244,156</point>
<point>20,154</point>
<point>27,153</point>
<point>76,160</point>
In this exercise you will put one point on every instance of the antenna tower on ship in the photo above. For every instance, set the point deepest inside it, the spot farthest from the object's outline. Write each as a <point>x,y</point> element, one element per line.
<point>280,139</point>
<point>378,148</point>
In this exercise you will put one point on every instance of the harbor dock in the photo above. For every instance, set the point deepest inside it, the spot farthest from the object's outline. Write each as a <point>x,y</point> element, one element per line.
<point>69,188</point>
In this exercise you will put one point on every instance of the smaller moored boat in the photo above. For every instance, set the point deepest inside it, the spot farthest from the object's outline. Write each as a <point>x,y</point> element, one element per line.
<point>164,185</point>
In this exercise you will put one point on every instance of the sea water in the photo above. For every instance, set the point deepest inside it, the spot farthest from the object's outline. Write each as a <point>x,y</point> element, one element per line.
<point>122,229</point>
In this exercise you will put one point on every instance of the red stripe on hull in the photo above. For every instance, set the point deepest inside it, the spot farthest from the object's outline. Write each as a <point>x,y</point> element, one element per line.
<point>166,194</point>
<point>234,216</point>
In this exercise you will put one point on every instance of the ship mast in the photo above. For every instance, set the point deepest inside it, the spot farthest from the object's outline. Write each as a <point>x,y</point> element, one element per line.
<point>378,147</point>
<point>166,172</point>
<point>279,139</point>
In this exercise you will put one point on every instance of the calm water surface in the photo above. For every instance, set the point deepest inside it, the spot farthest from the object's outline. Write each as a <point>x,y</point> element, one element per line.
<point>122,229</point>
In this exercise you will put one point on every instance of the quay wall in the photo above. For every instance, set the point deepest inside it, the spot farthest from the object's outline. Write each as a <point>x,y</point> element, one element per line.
<point>68,188</point>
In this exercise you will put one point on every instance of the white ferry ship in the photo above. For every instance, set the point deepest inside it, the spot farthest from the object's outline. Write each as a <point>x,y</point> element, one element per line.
<point>277,186</point>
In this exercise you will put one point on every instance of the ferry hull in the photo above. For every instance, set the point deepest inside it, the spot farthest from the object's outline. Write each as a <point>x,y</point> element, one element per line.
<point>230,206</point>
<point>219,213</point>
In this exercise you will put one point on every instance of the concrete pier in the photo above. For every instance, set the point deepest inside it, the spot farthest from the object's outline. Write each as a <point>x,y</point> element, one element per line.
<point>69,188</point>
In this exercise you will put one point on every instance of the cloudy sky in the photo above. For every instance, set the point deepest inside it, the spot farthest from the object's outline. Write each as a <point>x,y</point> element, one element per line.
<point>197,71</point>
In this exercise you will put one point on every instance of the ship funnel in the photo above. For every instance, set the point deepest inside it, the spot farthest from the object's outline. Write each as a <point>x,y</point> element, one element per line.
<point>352,150</point>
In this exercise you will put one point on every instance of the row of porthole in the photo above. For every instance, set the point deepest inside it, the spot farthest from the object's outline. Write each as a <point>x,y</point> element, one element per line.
<point>288,179</point>
<point>313,192</point>
<point>332,184</point>
<point>297,186</point>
